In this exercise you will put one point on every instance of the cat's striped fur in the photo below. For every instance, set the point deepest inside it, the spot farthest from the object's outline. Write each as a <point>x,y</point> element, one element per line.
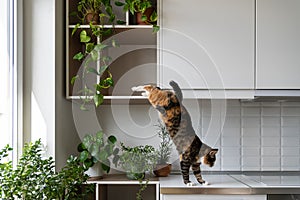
<point>179,125</point>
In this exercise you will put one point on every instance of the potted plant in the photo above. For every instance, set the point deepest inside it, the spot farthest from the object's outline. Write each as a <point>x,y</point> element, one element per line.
<point>95,153</point>
<point>34,177</point>
<point>143,10</point>
<point>137,160</point>
<point>163,168</point>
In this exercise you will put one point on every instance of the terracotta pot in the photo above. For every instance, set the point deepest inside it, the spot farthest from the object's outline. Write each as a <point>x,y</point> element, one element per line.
<point>92,17</point>
<point>148,13</point>
<point>162,170</point>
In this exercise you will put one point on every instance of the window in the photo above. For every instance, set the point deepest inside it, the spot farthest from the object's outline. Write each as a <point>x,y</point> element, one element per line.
<point>6,73</point>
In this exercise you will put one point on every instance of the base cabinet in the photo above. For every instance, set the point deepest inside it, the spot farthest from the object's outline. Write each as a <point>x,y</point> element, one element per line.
<point>213,197</point>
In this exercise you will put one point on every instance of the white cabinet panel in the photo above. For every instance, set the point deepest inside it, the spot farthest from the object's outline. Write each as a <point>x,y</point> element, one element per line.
<point>278,44</point>
<point>207,44</point>
<point>214,197</point>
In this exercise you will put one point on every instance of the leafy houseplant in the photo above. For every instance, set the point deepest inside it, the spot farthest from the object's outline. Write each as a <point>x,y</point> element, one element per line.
<point>35,178</point>
<point>94,149</point>
<point>144,10</point>
<point>163,168</point>
<point>137,160</point>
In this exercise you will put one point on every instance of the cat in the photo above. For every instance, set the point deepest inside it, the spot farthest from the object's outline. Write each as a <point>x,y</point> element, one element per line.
<point>192,152</point>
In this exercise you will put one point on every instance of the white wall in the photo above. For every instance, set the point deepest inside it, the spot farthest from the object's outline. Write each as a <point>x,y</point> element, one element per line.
<point>66,137</point>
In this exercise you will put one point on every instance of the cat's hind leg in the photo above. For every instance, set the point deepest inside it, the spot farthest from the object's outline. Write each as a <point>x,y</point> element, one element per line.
<point>197,172</point>
<point>185,167</point>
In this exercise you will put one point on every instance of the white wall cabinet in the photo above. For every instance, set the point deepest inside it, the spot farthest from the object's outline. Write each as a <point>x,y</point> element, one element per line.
<point>207,44</point>
<point>278,44</point>
<point>213,197</point>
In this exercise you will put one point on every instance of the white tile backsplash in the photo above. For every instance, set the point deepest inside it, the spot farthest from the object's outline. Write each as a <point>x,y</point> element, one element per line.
<point>250,136</point>
<point>271,111</point>
<point>270,131</point>
<point>267,139</point>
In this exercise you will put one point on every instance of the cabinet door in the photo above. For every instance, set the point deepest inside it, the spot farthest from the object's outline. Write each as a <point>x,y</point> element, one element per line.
<point>207,44</point>
<point>278,44</point>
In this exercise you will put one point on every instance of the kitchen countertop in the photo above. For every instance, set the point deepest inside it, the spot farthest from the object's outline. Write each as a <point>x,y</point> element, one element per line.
<point>246,183</point>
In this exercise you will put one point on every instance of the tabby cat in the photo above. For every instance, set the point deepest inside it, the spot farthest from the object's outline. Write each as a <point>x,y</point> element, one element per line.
<point>178,123</point>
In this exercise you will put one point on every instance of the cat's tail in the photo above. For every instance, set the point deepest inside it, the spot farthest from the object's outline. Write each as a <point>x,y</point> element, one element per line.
<point>177,90</point>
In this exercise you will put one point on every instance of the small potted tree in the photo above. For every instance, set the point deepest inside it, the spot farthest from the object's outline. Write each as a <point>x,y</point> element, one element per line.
<point>163,168</point>
<point>96,154</point>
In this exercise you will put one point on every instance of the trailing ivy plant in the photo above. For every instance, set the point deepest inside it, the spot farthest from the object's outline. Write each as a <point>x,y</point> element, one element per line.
<point>35,178</point>
<point>93,51</point>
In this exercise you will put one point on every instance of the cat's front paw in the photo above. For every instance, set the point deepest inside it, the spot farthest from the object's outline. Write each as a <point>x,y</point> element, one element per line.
<point>203,182</point>
<point>138,89</point>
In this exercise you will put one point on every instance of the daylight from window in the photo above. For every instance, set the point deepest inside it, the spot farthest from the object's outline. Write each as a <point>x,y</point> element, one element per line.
<point>5,86</point>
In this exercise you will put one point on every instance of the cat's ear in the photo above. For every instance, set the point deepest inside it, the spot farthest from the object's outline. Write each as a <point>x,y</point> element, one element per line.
<point>213,152</point>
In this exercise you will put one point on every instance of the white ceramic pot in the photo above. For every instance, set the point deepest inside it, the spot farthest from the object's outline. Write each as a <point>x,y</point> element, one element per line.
<point>95,172</point>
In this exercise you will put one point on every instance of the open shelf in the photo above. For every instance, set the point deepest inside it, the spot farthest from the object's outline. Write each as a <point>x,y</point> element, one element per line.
<point>134,62</point>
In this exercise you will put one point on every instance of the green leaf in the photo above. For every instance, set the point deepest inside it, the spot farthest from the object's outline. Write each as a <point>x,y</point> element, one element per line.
<point>102,15</point>
<point>72,14</point>
<point>108,9</point>
<point>83,108</point>
<point>112,18</point>
<point>83,156</point>
<point>155,29</point>
<point>78,56</point>
<point>144,18</point>
<point>92,70</point>
<point>89,47</point>
<point>74,78</point>
<point>112,139</point>
<point>94,55</point>
<point>114,43</point>
<point>153,17</point>
<point>116,151</point>
<point>98,99</point>
<point>84,37</point>
<point>119,3</point>
<point>102,69</point>
<point>121,22</point>
<point>75,29</point>
<point>107,32</point>
<point>100,47</point>
<point>95,149</point>
<point>105,167</point>
<point>103,155</point>
<point>81,147</point>
<point>106,59</point>
<point>109,81</point>
<point>116,159</point>
<point>88,163</point>
<point>99,137</point>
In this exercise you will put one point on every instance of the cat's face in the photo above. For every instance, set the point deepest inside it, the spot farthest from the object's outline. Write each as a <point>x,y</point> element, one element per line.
<point>210,158</point>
